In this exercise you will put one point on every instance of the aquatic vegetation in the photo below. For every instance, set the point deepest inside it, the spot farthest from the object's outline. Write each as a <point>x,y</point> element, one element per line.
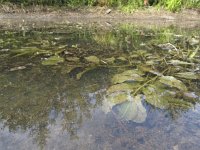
<point>123,104</point>
<point>92,59</point>
<point>53,60</point>
<point>173,82</point>
<point>129,76</point>
<point>31,51</point>
<point>188,75</point>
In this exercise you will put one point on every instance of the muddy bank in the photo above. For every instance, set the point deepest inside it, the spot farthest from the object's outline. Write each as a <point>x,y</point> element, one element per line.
<point>107,17</point>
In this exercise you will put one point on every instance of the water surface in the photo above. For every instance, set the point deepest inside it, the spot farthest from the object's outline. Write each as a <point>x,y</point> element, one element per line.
<point>55,82</point>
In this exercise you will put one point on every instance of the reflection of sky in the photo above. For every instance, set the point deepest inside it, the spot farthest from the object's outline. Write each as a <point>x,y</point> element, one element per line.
<point>57,138</point>
<point>102,131</point>
<point>15,140</point>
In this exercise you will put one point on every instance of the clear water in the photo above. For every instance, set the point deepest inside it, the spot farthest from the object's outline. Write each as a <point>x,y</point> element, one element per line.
<point>47,107</point>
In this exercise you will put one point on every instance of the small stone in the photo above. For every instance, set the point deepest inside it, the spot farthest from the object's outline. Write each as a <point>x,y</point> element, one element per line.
<point>108,11</point>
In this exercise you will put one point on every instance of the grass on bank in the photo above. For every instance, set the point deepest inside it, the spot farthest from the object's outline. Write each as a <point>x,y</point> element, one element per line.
<point>125,5</point>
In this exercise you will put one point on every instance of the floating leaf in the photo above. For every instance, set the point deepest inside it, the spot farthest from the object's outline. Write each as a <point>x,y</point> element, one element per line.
<point>122,87</point>
<point>173,82</point>
<point>188,75</point>
<point>121,60</point>
<point>146,68</point>
<point>129,75</point>
<point>158,96</point>
<point>132,110</point>
<point>110,60</point>
<point>178,62</point>
<point>53,60</point>
<point>155,97</point>
<point>92,59</point>
<point>118,97</point>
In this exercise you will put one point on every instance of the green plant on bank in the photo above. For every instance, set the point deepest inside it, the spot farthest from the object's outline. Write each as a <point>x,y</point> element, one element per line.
<point>175,5</point>
<point>124,5</point>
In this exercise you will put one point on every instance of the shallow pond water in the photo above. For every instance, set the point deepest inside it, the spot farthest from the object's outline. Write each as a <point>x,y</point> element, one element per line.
<point>89,87</point>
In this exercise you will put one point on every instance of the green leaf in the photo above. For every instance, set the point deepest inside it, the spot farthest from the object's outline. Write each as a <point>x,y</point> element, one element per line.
<point>146,68</point>
<point>154,96</point>
<point>118,97</point>
<point>173,82</point>
<point>53,60</point>
<point>188,75</point>
<point>92,59</point>
<point>122,87</point>
<point>121,60</point>
<point>158,96</point>
<point>109,60</point>
<point>178,62</point>
<point>129,75</point>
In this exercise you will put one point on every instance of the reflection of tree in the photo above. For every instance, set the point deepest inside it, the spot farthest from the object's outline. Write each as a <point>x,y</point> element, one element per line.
<point>30,99</point>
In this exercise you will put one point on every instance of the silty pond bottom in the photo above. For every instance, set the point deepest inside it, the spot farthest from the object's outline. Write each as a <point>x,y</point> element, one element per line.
<point>121,87</point>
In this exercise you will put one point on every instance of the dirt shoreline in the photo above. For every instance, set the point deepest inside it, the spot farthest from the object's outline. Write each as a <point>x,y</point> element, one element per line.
<point>147,17</point>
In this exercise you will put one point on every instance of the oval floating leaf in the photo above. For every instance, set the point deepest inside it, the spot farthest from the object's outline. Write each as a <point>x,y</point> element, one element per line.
<point>118,97</point>
<point>173,82</point>
<point>110,60</point>
<point>159,97</point>
<point>153,96</point>
<point>129,75</point>
<point>92,59</point>
<point>121,60</point>
<point>122,87</point>
<point>54,60</point>
<point>147,68</point>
